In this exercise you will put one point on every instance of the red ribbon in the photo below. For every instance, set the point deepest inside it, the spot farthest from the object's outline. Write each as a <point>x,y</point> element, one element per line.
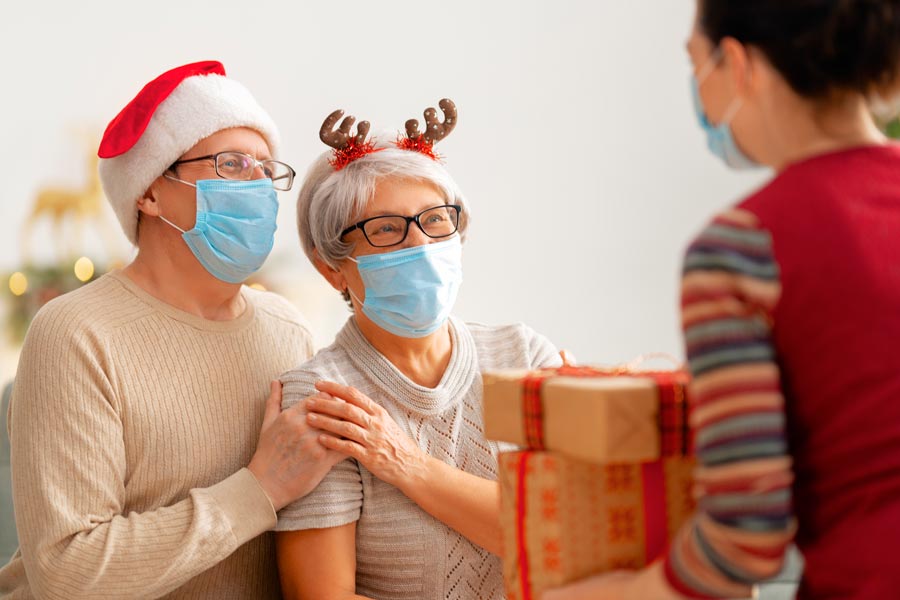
<point>656,523</point>
<point>524,569</point>
<point>533,409</point>
<point>675,432</point>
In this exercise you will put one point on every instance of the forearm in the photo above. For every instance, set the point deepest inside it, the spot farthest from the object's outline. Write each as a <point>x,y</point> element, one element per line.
<point>464,502</point>
<point>744,523</point>
<point>289,593</point>
<point>318,564</point>
<point>144,554</point>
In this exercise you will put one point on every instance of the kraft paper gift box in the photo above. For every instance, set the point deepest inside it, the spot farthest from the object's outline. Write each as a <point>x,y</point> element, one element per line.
<point>590,414</point>
<point>607,480</point>
<point>564,519</point>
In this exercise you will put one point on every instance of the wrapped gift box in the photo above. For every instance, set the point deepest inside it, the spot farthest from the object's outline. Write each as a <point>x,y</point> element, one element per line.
<point>564,519</point>
<point>590,414</point>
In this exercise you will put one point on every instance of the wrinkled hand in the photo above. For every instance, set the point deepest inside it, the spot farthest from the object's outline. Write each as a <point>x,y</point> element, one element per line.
<point>289,461</point>
<point>646,584</point>
<point>361,428</point>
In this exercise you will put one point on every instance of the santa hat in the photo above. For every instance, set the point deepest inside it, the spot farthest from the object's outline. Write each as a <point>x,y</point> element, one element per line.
<point>166,119</point>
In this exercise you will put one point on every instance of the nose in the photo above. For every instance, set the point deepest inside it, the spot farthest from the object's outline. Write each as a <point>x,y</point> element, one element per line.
<point>258,172</point>
<point>416,237</point>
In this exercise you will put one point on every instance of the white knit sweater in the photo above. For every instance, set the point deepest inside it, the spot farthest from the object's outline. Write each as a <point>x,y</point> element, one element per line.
<point>402,551</point>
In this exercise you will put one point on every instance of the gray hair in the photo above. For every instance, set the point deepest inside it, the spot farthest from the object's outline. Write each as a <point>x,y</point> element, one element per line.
<point>330,201</point>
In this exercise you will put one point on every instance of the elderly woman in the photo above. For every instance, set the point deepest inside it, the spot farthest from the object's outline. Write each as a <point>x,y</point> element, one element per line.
<point>414,512</point>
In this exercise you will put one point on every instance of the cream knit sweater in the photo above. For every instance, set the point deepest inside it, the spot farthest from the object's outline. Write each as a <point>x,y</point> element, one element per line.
<point>402,552</point>
<point>131,423</point>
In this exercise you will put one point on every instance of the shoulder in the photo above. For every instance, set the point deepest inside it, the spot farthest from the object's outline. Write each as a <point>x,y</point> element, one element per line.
<point>511,345</point>
<point>330,363</point>
<point>733,241</point>
<point>273,306</point>
<point>802,190</point>
<point>508,333</point>
<point>93,311</point>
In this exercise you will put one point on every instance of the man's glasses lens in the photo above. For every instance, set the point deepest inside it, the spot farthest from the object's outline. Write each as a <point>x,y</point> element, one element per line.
<point>236,165</point>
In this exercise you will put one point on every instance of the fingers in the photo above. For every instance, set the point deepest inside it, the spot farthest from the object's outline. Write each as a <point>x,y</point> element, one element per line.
<point>568,359</point>
<point>273,404</point>
<point>350,394</point>
<point>345,447</point>
<point>324,404</point>
<point>338,427</point>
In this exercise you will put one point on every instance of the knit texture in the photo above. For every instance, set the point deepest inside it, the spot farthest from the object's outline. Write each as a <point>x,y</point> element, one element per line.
<point>402,552</point>
<point>131,423</point>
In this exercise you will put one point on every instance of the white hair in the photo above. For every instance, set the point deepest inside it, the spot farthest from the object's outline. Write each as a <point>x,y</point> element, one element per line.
<point>330,201</point>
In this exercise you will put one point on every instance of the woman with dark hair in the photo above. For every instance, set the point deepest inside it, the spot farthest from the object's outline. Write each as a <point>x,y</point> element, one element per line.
<point>791,309</point>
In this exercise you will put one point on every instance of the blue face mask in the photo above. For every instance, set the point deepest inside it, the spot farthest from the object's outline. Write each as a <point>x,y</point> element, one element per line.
<point>410,292</point>
<point>235,227</point>
<point>719,138</point>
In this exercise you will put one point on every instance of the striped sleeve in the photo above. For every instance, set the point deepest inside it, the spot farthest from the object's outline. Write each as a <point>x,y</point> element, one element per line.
<point>743,522</point>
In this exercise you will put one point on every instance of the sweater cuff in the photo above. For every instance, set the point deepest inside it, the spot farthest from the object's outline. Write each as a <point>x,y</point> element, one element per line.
<point>246,505</point>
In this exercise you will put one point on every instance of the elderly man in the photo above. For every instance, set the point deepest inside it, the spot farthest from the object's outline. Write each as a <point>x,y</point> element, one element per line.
<point>146,459</point>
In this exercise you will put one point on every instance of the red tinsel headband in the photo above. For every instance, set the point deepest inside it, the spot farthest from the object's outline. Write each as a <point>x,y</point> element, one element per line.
<point>348,147</point>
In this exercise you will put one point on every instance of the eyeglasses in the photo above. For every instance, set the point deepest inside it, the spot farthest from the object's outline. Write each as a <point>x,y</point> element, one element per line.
<point>389,230</point>
<point>240,166</point>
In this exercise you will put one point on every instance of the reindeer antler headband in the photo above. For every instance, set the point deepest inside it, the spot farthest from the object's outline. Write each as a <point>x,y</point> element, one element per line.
<point>349,147</point>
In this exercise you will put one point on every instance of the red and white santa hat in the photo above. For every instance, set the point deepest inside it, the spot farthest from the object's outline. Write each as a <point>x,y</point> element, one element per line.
<point>166,119</point>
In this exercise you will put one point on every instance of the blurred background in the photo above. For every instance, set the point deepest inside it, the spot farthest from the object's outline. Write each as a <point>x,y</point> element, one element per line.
<point>577,145</point>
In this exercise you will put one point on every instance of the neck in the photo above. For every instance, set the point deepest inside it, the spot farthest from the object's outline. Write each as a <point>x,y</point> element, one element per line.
<point>800,129</point>
<point>171,274</point>
<point>423,360</point>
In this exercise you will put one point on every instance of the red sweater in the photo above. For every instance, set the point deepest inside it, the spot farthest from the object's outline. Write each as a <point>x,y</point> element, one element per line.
<point>791,305</point>
<point>835,226</point>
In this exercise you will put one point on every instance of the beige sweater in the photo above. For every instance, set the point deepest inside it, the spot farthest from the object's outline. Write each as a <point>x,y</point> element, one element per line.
<point>131,423</point>
<point>402,552</point>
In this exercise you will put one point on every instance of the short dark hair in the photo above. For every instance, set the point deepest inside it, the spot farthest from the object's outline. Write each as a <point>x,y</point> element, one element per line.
<point>821,47</point>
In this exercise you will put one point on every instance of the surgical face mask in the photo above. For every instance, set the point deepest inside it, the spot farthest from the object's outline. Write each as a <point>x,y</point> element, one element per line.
<point>410,292</point>
<point>235,227</point>
<point>719,138</point>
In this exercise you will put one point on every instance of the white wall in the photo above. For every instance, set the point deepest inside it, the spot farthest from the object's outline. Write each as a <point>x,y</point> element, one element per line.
<point>576,144</point>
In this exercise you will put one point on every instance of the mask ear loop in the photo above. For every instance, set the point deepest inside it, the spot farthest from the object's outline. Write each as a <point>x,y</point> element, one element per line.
<point>354,296</point>
<point>703,74</point>
<point>709,66</point>
<point>171,224</point>
<point>348,290</point>
<point>162,218</point>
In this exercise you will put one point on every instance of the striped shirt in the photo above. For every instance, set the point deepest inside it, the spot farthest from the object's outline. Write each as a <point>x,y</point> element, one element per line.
<point>791,316</point>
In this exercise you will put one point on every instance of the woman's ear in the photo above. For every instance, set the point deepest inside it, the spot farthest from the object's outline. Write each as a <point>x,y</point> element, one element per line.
<point>334,277</point>
<point>737,57</point>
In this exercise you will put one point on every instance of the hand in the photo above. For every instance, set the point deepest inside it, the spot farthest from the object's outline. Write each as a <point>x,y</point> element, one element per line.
<point>289,461</point>
<point>361,428</point>
<point>646,584</point>
<point>568,359</point>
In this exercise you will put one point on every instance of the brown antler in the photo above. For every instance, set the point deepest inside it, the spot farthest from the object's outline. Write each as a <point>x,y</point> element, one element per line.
<point>341,137</point>
<point>435,131</point>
